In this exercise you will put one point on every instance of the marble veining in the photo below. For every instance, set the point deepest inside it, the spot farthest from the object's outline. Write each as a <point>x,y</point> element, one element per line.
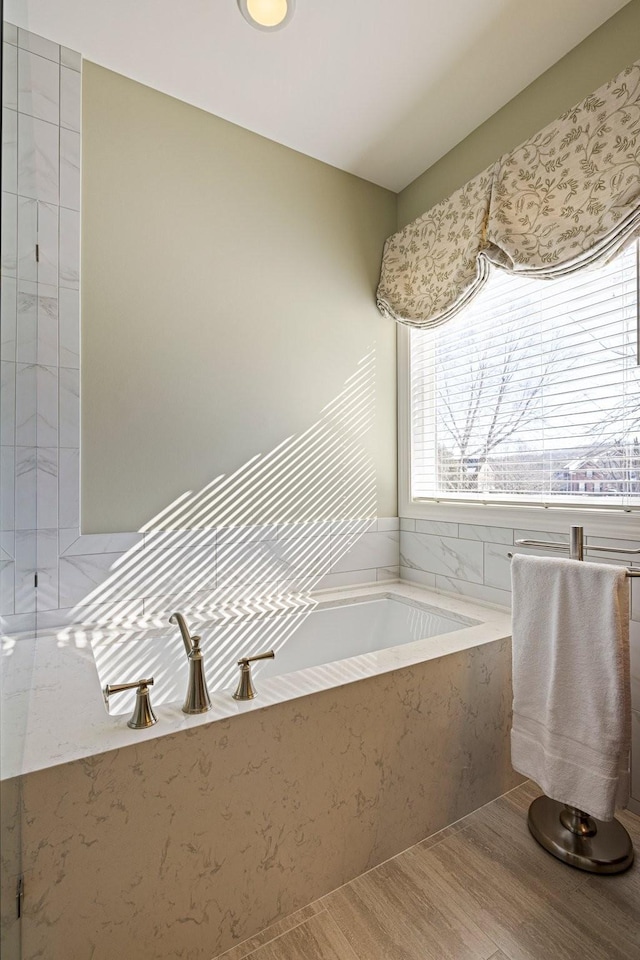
<point>461,559</point>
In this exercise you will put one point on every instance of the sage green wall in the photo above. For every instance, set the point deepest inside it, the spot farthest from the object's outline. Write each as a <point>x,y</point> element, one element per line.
<point>228,292</point>
<point>597,59</point>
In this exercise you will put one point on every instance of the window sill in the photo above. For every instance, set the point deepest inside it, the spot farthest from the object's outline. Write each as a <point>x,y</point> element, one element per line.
<point>597,523</point>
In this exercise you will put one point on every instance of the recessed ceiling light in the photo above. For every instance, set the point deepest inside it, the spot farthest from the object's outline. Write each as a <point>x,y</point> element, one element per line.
<point>267,14</point>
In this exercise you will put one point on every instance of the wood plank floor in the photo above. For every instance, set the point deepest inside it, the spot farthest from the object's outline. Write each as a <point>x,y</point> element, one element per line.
<point>479,890</point>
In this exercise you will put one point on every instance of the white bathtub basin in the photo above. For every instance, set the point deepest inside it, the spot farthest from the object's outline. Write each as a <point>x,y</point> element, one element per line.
<point>316,636</point>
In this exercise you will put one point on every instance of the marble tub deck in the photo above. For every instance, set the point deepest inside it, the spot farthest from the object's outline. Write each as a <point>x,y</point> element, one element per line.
<point>53,710</point>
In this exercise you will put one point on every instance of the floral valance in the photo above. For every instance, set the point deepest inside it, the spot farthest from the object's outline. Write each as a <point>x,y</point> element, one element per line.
<point>567,197</point>
<point>432,267</point>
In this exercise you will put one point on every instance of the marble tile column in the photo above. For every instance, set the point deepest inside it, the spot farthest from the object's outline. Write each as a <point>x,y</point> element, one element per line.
<point>40,353</point>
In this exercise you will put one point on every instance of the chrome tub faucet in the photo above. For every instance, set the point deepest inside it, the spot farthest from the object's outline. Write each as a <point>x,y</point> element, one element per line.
<point>197,699</point>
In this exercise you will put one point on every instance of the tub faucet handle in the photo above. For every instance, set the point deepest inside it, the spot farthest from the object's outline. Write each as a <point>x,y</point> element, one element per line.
<point>143,715</point>
<point>246,690</point>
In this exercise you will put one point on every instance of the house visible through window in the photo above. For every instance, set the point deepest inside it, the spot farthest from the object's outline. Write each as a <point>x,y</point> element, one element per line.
<point>532,394</point>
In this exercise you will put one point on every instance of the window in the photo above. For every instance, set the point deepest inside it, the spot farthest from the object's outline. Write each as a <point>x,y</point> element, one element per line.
<point>532,394</point>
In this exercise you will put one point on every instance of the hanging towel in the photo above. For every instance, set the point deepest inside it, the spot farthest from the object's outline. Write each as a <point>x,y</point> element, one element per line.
<point>571,728</point>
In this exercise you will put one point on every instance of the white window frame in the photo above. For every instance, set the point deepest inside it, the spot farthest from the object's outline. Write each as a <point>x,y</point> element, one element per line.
<point>617,523</point>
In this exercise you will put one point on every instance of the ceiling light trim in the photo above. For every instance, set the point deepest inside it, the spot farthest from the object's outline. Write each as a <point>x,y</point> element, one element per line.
<point>267,28</point>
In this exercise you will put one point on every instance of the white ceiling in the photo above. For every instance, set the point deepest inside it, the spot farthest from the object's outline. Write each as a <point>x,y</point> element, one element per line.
<point>381,88</point>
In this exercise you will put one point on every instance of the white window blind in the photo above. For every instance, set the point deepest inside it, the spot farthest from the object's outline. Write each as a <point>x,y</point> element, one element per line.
<point>532,394</point>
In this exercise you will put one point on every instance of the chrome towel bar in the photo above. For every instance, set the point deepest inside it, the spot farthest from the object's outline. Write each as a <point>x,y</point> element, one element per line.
<point>577,548</point>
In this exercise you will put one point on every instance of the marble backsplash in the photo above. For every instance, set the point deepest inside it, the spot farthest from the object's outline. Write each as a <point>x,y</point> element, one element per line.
<point>134,581</point>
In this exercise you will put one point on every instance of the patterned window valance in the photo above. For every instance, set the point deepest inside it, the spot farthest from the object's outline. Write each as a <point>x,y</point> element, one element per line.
<point>567,197</point>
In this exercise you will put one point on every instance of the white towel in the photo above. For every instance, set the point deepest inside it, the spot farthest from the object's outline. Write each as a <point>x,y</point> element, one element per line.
<point>571,689</point>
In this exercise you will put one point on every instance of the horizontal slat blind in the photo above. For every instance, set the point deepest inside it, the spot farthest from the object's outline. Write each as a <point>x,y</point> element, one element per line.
<point>532,394</point>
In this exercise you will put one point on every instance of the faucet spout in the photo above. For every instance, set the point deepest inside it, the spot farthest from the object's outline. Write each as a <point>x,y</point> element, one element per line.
<point>184,630</point>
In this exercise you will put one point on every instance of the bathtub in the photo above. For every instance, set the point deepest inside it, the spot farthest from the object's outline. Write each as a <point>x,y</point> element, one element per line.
<point>315,634</point>
<point>203,830</point>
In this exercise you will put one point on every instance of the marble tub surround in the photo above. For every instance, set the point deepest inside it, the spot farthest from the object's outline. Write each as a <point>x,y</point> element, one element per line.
<point>383,762</point>
<point>40,676</point>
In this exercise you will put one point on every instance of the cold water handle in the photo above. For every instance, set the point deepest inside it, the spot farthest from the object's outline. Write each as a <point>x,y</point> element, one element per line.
<point>245,690</point>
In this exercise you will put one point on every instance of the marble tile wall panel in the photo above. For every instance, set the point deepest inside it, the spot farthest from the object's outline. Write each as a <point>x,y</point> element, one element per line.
<point>25,570</point>
<point>38,87</point>
<point>82,576</point>
<point>69,407</point>
<point>70,58</point>
<point>41,153</point>
<point>271,796</point>
<point>413,575</point>
<point>8,327</point>
<point>47,487</point>
<point>38,45</point>
<point>10,151</point>
<point>70,93</point>
<point>47,594</point>
<point>38,159</point>
<point>27,322</point>
<point>8,404</point>
<point>69,247</point>
<point>69,327</point>
<point>69,169</point>
<point>46,406</point>
<point>7,585</point>
<point>442,555</point>
<point>9,253</point>
<point>27,239</point>
<point>69,487</point>
<point>26,405</point>
<point>25,488</point>
<point>74,545</point>
<point>47,317</point>
<point>9,74</point>
<point>50,239</point>
<point>363,551</point>
<point>7,490</point>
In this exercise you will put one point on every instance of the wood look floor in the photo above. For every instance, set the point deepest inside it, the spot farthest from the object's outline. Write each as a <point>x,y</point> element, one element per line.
<point>479,890</point>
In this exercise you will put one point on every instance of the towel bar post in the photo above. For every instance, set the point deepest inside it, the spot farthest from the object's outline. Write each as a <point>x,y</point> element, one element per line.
<point>577,543</point>
<point>570,834</point>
